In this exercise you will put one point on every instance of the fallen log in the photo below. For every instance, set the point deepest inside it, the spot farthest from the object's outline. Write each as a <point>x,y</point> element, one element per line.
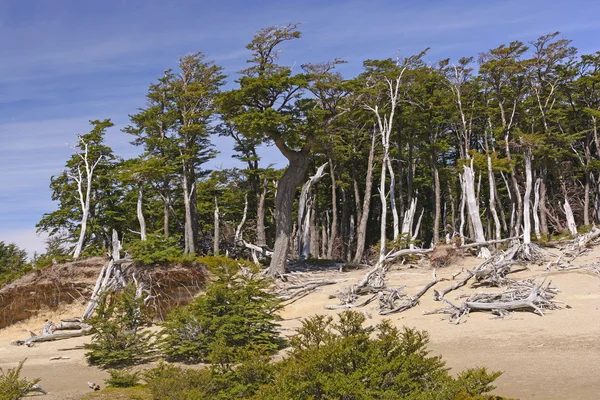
<point>48,333</point>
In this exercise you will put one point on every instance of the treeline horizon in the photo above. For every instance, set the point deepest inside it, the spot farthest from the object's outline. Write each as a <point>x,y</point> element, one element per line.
<point>406,153</point>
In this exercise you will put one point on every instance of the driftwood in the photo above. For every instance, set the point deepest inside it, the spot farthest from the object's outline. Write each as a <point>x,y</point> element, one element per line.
<point>479,244</point>
<point>578,245</point>
<point>522,296</point>
<point>439,295</point>
<point>38,388</point>
<point>297,291</point>
<point>412,301</point>
<point>389,257</point>
<point>66,330</point>
<point>346,306</point>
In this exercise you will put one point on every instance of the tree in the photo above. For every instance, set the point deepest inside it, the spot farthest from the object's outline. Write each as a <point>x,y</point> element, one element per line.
<point>270,110</point>
<point>86,191</point>
<point>177,124</point>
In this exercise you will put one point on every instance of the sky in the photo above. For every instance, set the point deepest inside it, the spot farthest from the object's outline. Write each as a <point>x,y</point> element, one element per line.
<point>65,62</point>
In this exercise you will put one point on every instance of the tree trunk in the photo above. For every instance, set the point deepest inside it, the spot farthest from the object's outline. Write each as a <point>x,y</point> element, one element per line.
<point>314,232</point>
<point>492,182</point>
<point>393,199</point>
<point>473,207</point>
<point>334,219</point>
<point>569,215</point>
<point>261,239</point>
<point>216,234</point>
<point>383,221</point>
<point>238,232</point>
<point>438,200</point>
<point>463,204</point>
<point>140,212</point>
<point>361,232</point>
<point>526,203</point>
<point>543,209</point>
<point>188,236</point>
<point>304,213</point>
<point>284,203</point>
<point>536,208</point>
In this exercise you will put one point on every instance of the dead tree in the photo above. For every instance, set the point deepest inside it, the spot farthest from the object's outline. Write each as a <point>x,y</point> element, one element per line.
<point>84,198</point>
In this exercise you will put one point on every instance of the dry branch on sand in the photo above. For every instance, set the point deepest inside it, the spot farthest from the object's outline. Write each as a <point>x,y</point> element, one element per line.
<point>389,307</point>
<point>522,296</point>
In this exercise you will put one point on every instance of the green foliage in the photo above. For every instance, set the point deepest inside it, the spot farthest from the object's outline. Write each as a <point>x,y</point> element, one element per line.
<point>169,382</point>
<point>13,263</point>
<point>477,381</point>
<point>130,393</point>
<point>347,360</point>
<point>122,378</point>
<point>119,339</point>
<point>331,360</point>
<point>155,250</point>
<point>235,315</point>
<point>12,386</point>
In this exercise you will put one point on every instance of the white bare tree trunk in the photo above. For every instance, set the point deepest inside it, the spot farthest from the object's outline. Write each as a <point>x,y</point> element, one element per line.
<point>140,213</point>
<point>463,204</point>
<point>409,218</point>
<point>383,197</point>
<point>417,227</point>
<point>469,187</point>
<point>385,124</point>
<point>395,217</point>
<point>84,199</point>
<point>350,239</point>
<point>570,218</point>
<point>238,231</point>
<point>217,233</point>
<point>304,213</point>
<point>526,203</point>
<point>497,226</point>
<point>536,208</point>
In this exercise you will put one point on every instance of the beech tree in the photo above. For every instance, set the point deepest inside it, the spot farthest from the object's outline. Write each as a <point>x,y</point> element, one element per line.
<point>270,109</point>
<point>177,124</point>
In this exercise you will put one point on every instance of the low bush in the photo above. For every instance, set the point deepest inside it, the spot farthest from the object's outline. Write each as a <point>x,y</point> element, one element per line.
<point>235,315</point>
<point>347,360</point>
<point>12,386</point>
<point>119,338</point>
<point>331,360</point>
<point>122,378</point>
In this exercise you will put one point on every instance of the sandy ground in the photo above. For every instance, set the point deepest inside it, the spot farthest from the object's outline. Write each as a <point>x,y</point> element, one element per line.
<point>552,357</point>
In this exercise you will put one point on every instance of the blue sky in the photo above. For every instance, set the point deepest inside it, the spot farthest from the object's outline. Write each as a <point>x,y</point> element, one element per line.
<point>65,62</point>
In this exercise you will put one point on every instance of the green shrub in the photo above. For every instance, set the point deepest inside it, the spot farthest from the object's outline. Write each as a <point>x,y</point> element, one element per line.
<point>155,250</point>
<point>346,360</point>
<point>235,315</point>
<point>12,386</point>
<point>168,382</point>
<point>331,360</point>
<point>119,338</point>
<point>122,378</point>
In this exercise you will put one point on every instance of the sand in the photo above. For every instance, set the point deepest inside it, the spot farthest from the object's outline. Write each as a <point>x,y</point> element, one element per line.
<point>552,357</point>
